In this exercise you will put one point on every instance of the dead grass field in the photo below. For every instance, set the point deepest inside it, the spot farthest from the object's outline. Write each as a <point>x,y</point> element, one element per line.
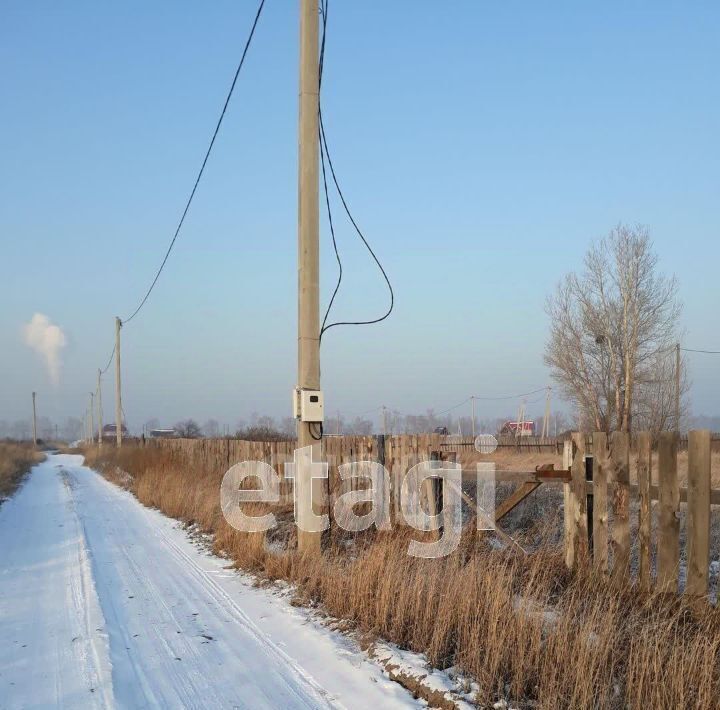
<point>16,459</point>
<point>527,630</point>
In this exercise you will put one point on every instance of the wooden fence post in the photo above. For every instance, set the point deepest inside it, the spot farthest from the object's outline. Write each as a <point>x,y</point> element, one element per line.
<point>568,510</point>
<point>644,475</point>
<point>620,455</point>
<point>698,513</point>
<point>669,522</point>
<point>600,501</point>
<point>589,504</point>
<point>579,502</point>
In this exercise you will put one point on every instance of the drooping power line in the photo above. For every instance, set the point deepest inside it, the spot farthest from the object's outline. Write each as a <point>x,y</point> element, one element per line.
<point>112,355</point>
<point>706,352</point>
<point>511,396</point>
<point>202,167</point>
<point>325,154</point>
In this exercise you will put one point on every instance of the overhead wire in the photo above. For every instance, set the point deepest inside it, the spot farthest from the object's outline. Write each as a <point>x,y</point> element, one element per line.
<point>204,163</point>
<point>449,409</point>
<point>325,155</point>
<point>197,179</point>
<point>107,367</point>
<point>511,396</point>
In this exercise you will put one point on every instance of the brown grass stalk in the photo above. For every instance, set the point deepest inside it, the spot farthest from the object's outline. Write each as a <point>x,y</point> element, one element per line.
<point>526,629</point>
<point>16,459</point>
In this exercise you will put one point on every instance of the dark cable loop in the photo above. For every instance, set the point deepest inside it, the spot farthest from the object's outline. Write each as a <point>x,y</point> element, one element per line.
<point>325,152</point>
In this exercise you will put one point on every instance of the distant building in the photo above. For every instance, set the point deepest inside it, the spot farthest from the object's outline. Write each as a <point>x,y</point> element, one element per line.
<point>109,431</point>
<point>519,428</point>
<point>162,433</point>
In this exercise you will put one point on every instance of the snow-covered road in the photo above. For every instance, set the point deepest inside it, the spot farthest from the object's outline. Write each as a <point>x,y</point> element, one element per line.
<point>105,603</point>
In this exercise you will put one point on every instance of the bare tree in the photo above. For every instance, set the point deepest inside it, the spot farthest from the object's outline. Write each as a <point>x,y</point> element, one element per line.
<point>360,426</point>
<point>21,429</point>
<point>654,408</point>
<point>150,424</point>
<point>288,427</point>
<point>609,328</point>
<point>211,429</point>
<point>72,429</point>
<point>188,429</point>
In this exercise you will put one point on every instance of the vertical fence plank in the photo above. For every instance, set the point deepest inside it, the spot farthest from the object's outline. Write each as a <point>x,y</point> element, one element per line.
<point>698,513</point>
<point>620,455</point>
<point>579,504</point>
<point>600,501</point>
<point>568,509</point>
<point>644,475</point>
<point>669,522</point>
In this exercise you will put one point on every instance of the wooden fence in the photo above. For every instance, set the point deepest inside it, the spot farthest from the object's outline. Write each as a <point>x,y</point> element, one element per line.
<point>598,497</point>
<point>397,453</point>
<point>524,444</point>
<point>600,485</point>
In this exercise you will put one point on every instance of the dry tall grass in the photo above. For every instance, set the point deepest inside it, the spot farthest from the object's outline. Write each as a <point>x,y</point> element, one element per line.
<point>16,459</point>
<point>525,628</point>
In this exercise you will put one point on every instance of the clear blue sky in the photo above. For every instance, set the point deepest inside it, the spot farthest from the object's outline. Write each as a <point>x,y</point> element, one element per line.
<point>482,146</point>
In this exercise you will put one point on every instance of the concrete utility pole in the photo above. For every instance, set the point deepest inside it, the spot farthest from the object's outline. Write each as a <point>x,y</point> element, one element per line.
<point>677,388</point>
<point>472,401</point>
<point>99,407</point>
<point>546,419</point>
<point>308,239</point>
<point>92,417</point>
<point>118,389</point>
<point>34,428</point>
<point>384,420</point>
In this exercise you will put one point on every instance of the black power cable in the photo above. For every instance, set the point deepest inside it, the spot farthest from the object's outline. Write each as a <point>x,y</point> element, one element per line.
<point>325,153</point>
<point>112,355</point>
<point>204,163</point>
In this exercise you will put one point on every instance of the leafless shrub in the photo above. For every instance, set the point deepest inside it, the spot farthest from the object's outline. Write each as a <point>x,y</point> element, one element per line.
<point>16,459</point>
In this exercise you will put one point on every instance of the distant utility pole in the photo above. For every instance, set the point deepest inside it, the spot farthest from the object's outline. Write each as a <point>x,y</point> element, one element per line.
<point>472,404</point>
<point>384,420</point>
<point>92,417</point>
<point>34,428</point>
<point>677,388</point>
<point>546,418</point>
<point>520,427</point>
<point>118,389</point>
<point>99,408</point>
<point>308,243</point>
<point>337,426</point>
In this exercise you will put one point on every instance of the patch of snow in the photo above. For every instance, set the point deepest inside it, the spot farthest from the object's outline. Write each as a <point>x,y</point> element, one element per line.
<point>107,603</point>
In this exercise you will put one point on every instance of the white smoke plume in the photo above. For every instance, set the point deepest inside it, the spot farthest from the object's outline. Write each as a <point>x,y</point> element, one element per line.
<point>47,340</point>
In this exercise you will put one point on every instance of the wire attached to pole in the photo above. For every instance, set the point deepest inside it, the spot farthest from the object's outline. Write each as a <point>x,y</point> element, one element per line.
<point>107,367</point>
<point>204,163</point>
<point>325,153</point>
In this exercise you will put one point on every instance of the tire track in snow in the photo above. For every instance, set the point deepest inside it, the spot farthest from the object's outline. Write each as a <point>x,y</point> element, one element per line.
<point>148,589</point>
<point>53,650</point>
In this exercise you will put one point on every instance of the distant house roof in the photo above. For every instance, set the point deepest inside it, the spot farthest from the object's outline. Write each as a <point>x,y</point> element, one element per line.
<point>162,433</point>
<point>112,429</point>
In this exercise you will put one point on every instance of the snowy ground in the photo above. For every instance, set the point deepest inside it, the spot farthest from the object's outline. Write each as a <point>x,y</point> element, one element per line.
<point>105,603</point>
